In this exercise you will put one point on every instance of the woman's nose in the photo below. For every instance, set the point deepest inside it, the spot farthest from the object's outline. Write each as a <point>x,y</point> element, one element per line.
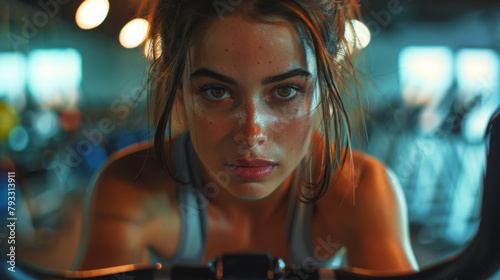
<point>251,132</point>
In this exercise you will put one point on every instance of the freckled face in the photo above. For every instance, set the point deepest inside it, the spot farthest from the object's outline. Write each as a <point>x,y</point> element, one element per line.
<point>248,95</point>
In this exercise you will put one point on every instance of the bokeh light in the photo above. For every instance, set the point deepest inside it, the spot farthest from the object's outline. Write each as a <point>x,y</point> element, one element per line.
<point>6,164</point>
<point>148,51</point>
<point>47,123</point>
<point>96,157</point>
<point>134,33</point>
<point>9,120</point>
<point>478,77</point>
<point>55,76</point>
<point>426,74</point>
<point>70,119</point>
<point>357,34</point>
<point>477,71</point>
<point>91,13</point>
<point>18,138</point>
<point>12,77</point>
<point>474,126</point>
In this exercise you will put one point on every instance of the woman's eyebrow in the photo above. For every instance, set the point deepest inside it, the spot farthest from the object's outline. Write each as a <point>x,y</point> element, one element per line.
<point>204,72</point>
<point>297,72</point>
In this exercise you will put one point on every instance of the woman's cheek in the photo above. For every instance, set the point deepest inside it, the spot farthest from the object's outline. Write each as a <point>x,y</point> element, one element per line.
<point>293,133</point>
<point>212,129</point>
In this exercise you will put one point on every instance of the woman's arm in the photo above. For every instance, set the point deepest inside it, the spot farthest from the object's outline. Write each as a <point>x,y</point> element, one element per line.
<point>378,234</point>
<point>114,224</point>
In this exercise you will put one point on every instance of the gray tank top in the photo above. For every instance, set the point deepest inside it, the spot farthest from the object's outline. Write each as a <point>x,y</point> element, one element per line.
<point>194,222</point>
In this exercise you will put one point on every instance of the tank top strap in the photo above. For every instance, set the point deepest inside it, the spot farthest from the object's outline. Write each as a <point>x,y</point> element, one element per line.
<point>192,207</point>
<point>299,217</point>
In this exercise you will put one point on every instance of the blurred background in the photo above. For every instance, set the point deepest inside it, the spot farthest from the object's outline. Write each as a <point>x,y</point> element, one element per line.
<point>72,74</point>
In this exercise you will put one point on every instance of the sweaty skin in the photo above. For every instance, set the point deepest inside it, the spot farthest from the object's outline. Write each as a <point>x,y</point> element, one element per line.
<point>251,119</point>
<point>249,93</point>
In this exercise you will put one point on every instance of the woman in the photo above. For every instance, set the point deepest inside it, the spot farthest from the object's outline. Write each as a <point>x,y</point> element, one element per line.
<point>255,88</point>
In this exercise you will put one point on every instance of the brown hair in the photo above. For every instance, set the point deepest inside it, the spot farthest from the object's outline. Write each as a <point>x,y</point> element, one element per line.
<point>174,24</point>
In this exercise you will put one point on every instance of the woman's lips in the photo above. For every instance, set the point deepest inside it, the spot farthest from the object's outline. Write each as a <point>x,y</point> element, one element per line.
<point>251,170</point>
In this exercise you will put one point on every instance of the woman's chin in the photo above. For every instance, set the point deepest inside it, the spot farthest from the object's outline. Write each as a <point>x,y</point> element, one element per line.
<point>249,191</point>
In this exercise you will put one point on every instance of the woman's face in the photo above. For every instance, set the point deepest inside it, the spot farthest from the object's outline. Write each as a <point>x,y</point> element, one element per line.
<point>249,98</point>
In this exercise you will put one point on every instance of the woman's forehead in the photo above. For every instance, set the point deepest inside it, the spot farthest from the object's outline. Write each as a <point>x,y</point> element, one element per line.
<point>250,48</point>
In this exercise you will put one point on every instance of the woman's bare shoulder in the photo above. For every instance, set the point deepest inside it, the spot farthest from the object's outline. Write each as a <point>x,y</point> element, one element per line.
<point>139,163</point>
<point>359,176</point>
<point>374,218</point>
<point>360,181</point>
<point>366,199</point>
<point>131,196</point>
<point>372,179</point>
<point>135,177</point>
<point>359,186</point>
